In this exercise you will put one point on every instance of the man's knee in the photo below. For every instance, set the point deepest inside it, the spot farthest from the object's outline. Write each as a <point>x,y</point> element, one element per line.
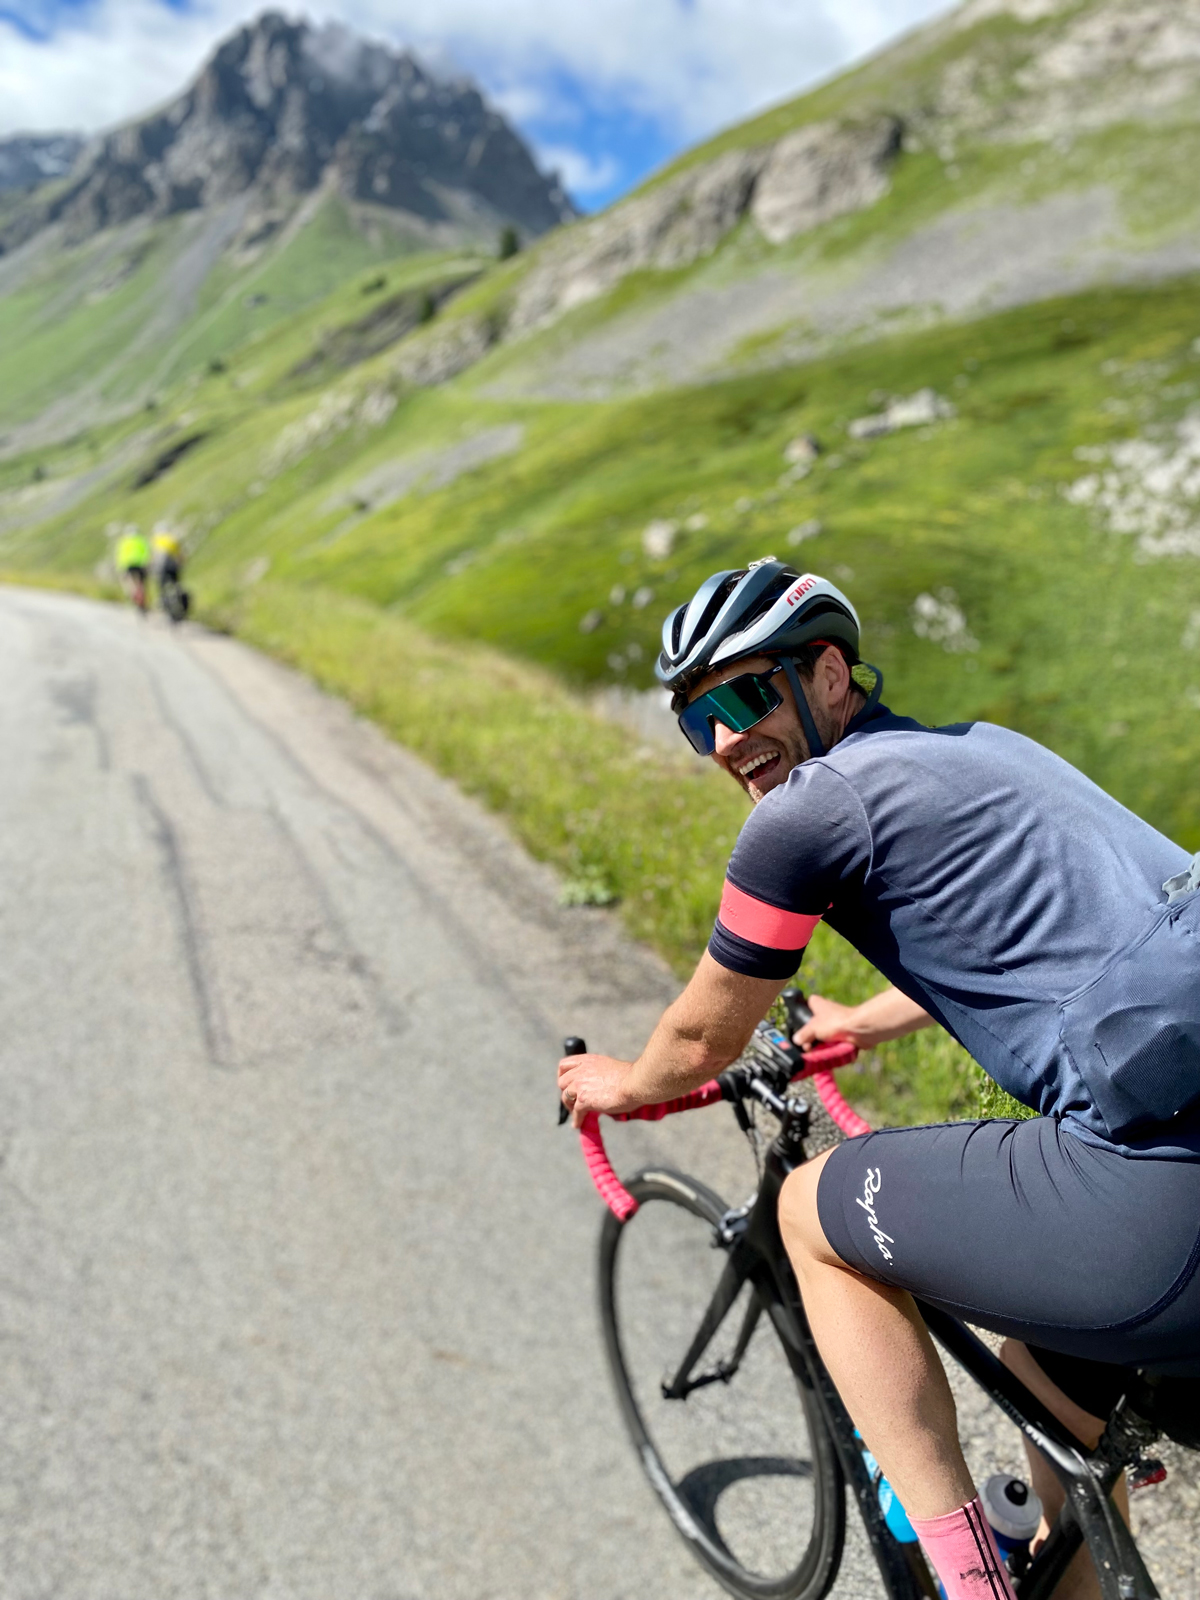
<point>799,1222</point>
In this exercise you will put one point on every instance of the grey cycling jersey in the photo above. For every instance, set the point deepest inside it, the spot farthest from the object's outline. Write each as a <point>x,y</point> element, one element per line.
<point>1003,891</point>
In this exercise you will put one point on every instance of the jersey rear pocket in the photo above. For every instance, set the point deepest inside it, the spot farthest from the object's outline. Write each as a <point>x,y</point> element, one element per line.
<point>1134,1034</point>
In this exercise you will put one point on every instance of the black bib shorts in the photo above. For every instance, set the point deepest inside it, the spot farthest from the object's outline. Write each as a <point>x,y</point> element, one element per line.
<point>1028,1230</point>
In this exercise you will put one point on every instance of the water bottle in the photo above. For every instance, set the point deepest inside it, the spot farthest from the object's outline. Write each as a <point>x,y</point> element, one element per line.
<point>894,1513</point>
<point>900,1528</point>
<point>1013,1512</point>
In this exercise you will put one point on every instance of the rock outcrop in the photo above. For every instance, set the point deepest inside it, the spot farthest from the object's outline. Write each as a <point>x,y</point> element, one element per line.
<point>787,188</point>
<point>823,171</point>
<point>281,108</point>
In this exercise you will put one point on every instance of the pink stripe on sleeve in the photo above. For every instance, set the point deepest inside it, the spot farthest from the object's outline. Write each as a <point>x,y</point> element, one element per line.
<point>759,923</point>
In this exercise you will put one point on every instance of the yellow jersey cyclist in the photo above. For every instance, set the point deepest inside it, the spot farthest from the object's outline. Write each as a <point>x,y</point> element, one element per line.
<point>131,558</point>
<point>1052,932</point>
<point>167,561</point>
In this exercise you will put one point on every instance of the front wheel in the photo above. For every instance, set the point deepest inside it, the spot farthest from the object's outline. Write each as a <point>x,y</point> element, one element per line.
<point>743,1461</point>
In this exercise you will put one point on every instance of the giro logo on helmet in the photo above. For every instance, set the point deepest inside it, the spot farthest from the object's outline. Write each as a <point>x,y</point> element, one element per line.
<point>801,589</point>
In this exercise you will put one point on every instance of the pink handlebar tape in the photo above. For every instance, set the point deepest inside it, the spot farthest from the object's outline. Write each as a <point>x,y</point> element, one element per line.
<point>705,1095</point>
<point>847,1119</point>
<point>610,1188</point>
<point>818,1062</point>
<point>819,1057</point>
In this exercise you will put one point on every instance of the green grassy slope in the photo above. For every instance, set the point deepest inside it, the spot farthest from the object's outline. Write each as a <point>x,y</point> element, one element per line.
<point>118,311</point>
<point>1079,148</point>
<point>1071,621</point>
<point>462,566</point>
<point>974,93</point>
<point>1070,632</point>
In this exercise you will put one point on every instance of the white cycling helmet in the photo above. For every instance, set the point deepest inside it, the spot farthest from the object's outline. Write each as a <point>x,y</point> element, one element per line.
<point>766,609</point>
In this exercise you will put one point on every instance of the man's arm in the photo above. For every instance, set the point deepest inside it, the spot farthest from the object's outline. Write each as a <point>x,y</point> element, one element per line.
<point>700,1034</point>
<point>885,1016</point>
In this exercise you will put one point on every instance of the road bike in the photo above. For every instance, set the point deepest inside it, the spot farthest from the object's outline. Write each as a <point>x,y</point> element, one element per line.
<point>736,1421</point>
<point>176,601</point>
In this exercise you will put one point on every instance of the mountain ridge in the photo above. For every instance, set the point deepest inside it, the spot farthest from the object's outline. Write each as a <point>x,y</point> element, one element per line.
<point>27,160</point>
<point>281,109</point>
<point>1042,147</point>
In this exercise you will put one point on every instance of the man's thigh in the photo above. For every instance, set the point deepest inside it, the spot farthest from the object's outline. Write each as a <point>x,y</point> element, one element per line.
<point>1024,1228</point>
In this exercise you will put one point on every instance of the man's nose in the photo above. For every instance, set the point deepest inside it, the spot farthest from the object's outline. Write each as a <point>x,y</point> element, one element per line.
<point>725,739</point>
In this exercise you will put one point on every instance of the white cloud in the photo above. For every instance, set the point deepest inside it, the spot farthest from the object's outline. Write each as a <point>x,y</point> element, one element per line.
<point>581,173</point>
<point>692,66</point>
<point>104,65</point>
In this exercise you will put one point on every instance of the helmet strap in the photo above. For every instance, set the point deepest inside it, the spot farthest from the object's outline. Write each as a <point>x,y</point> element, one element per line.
<point>816,746</point>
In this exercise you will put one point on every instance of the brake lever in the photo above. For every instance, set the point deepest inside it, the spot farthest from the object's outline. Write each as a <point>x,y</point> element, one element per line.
<point>798,1010</point>
<point>571,1047</point>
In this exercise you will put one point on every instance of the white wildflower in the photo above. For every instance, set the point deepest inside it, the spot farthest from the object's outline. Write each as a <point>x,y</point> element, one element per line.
<point>940,619</point>
<point>658,537</point>
<point>805,530</point>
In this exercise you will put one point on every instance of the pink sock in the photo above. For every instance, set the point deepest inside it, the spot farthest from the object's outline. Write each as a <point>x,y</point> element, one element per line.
<point>963,1553</point>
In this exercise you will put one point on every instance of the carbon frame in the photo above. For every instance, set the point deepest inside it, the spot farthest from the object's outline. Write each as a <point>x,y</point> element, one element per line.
<point>756,1252</point>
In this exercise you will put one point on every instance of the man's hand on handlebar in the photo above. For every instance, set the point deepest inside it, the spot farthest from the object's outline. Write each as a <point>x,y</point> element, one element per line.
<point>595,1083</point>
<point>885,1016</point>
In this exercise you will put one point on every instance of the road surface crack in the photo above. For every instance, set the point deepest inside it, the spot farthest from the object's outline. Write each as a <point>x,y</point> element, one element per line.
<point>191,932</point>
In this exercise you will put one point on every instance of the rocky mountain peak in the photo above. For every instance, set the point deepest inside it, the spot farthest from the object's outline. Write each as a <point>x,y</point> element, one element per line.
<point>281,108</point>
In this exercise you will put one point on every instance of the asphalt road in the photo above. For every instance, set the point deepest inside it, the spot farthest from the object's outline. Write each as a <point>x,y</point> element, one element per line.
<point>296,1273</point>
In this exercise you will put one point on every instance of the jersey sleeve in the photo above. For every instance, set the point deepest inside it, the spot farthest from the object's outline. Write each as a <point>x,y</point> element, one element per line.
<point>798,850</point>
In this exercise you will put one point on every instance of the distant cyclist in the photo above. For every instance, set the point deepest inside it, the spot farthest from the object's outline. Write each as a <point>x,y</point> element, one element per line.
<point>132,561</point>
<point>167,559</point>
<point>1052,932</point>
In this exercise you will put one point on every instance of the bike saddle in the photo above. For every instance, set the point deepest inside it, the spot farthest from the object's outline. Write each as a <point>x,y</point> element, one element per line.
<point>1171,1403</point>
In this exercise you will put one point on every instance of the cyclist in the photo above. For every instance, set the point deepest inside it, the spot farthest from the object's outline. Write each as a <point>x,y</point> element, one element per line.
<point>132,560</point>
<point>166,557</point>
<point>1051,931</point>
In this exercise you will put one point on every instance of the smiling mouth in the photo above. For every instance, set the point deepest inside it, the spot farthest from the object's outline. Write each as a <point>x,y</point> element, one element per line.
<point>759,766</point>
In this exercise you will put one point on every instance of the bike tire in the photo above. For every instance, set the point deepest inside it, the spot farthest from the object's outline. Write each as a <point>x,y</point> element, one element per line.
<point>174,601</point>
<point>763,1507</point>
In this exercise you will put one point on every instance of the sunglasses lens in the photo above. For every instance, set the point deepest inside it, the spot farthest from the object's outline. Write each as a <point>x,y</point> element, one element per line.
<point>694,724</point>
<point>739,704</point>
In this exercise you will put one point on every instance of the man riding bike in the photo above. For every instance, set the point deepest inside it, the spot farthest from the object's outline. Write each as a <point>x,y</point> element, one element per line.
<point>167,558</point>
<point>1052,932</point>
<point>132,561</point>
<point>166,554</point>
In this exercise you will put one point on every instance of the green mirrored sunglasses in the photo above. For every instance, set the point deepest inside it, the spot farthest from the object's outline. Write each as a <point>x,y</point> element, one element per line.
<point>739,703</point>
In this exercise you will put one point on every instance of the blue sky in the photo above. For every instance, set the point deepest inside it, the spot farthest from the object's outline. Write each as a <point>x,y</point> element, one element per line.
<point>604,90</point>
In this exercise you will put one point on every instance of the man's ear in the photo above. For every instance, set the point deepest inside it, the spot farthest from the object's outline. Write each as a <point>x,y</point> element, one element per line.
<point>834,675</point>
